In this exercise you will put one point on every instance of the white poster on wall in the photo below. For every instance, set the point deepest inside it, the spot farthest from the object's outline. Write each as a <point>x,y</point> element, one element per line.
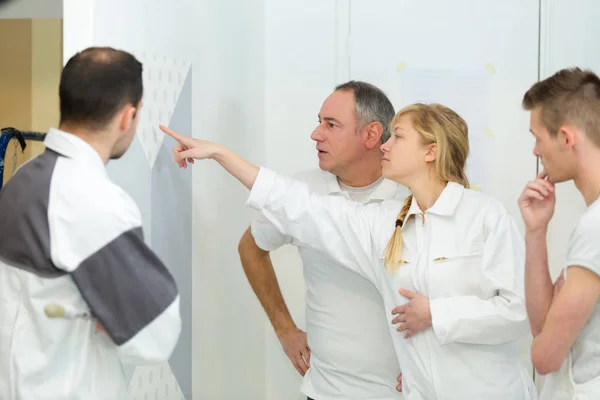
<point>163,80</point>
<point>465,91</point>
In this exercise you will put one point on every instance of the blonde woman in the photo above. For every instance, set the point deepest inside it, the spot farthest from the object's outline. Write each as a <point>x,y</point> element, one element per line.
<point>449,261</point>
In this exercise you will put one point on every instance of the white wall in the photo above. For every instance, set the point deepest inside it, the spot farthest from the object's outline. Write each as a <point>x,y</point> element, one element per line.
<point>32,9</point>
<point>229,360</point>
<point>300,69</point>
<point>455,39</point>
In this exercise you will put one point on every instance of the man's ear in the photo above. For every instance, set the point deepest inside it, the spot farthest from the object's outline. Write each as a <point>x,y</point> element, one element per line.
<point>128,114</point>
<point>373,132</point>
<point>567,135</point>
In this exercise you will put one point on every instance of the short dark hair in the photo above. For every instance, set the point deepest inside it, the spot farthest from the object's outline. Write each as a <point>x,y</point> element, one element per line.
<point>571,95</point>
<point>372,105</point>
<point>97,82</point>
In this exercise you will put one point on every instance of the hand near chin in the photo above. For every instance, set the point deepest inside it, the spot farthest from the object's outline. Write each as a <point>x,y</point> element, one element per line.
<point>537,203</point>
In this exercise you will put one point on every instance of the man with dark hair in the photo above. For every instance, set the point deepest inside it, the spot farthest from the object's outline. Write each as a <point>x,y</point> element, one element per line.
<point>348,352</point>
<point>81,292</point>
<point>111,79</point>
<point>565,318</point>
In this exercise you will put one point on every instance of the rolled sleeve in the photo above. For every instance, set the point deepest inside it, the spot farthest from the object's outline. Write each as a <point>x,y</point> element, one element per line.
<point>261,189</point>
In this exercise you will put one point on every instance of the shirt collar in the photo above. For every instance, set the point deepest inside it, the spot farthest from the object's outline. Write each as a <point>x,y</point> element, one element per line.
<point>71,146</point>
<point>444,205</point>
<point>384,191</point>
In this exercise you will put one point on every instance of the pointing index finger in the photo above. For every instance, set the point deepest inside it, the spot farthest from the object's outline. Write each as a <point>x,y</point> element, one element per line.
<point>175,135</point>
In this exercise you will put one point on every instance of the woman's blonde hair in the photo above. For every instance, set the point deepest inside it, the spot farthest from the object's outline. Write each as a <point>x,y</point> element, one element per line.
<point>436,124</point>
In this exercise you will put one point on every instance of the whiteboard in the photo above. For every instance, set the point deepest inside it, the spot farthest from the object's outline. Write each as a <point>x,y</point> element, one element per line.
<point>466,37</point>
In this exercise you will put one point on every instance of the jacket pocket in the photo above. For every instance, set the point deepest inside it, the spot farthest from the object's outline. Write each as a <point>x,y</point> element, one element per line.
<point>459,257</point>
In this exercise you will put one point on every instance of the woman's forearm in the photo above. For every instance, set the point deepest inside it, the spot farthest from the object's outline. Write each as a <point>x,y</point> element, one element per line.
<point>241,169</point>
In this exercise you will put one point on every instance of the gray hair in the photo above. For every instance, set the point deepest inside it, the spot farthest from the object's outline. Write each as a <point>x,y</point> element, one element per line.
<point>372,105</point>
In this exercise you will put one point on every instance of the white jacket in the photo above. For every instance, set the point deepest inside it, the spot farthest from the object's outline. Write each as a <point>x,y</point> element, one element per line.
<point>464,253</point>
<point>69,236</point>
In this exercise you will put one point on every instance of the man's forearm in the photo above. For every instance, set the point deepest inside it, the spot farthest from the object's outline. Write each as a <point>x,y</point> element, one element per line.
<point>538,283</point>
<point>261,275</point>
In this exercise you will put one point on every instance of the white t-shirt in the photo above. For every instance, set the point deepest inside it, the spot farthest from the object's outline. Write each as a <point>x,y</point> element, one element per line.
<point>352,356</point>
<point>360,194</point>
<point>584,251</point>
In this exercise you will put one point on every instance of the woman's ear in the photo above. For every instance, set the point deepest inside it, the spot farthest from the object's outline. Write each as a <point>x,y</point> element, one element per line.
<point>431,153</point>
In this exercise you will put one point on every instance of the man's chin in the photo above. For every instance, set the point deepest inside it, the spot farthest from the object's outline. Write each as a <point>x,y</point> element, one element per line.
<point>552,177</point>
<point>556,179</point>
<point>324,166</point>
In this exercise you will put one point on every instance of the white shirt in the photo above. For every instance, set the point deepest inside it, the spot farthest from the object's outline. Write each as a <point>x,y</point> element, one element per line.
<point>475,289</point>
<point>69,236</point>
<point>579,375</point>
<point>352,356</point>
<point>362,194</point>
<point>584,251</point>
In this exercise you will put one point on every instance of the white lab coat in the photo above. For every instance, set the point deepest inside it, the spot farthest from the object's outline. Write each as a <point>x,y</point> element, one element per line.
<point>464,253</point>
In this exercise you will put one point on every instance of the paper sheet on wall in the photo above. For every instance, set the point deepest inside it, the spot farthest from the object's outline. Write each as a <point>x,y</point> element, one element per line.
<point>468,93</point>
<point>163,81</point>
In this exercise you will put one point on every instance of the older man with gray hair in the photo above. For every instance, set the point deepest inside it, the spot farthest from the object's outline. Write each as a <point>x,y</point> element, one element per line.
<point>347,351</point>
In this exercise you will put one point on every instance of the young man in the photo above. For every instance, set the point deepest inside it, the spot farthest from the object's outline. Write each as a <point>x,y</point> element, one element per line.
<point>349,353</point>
<point>72,254</point>
<point>565,322</point>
